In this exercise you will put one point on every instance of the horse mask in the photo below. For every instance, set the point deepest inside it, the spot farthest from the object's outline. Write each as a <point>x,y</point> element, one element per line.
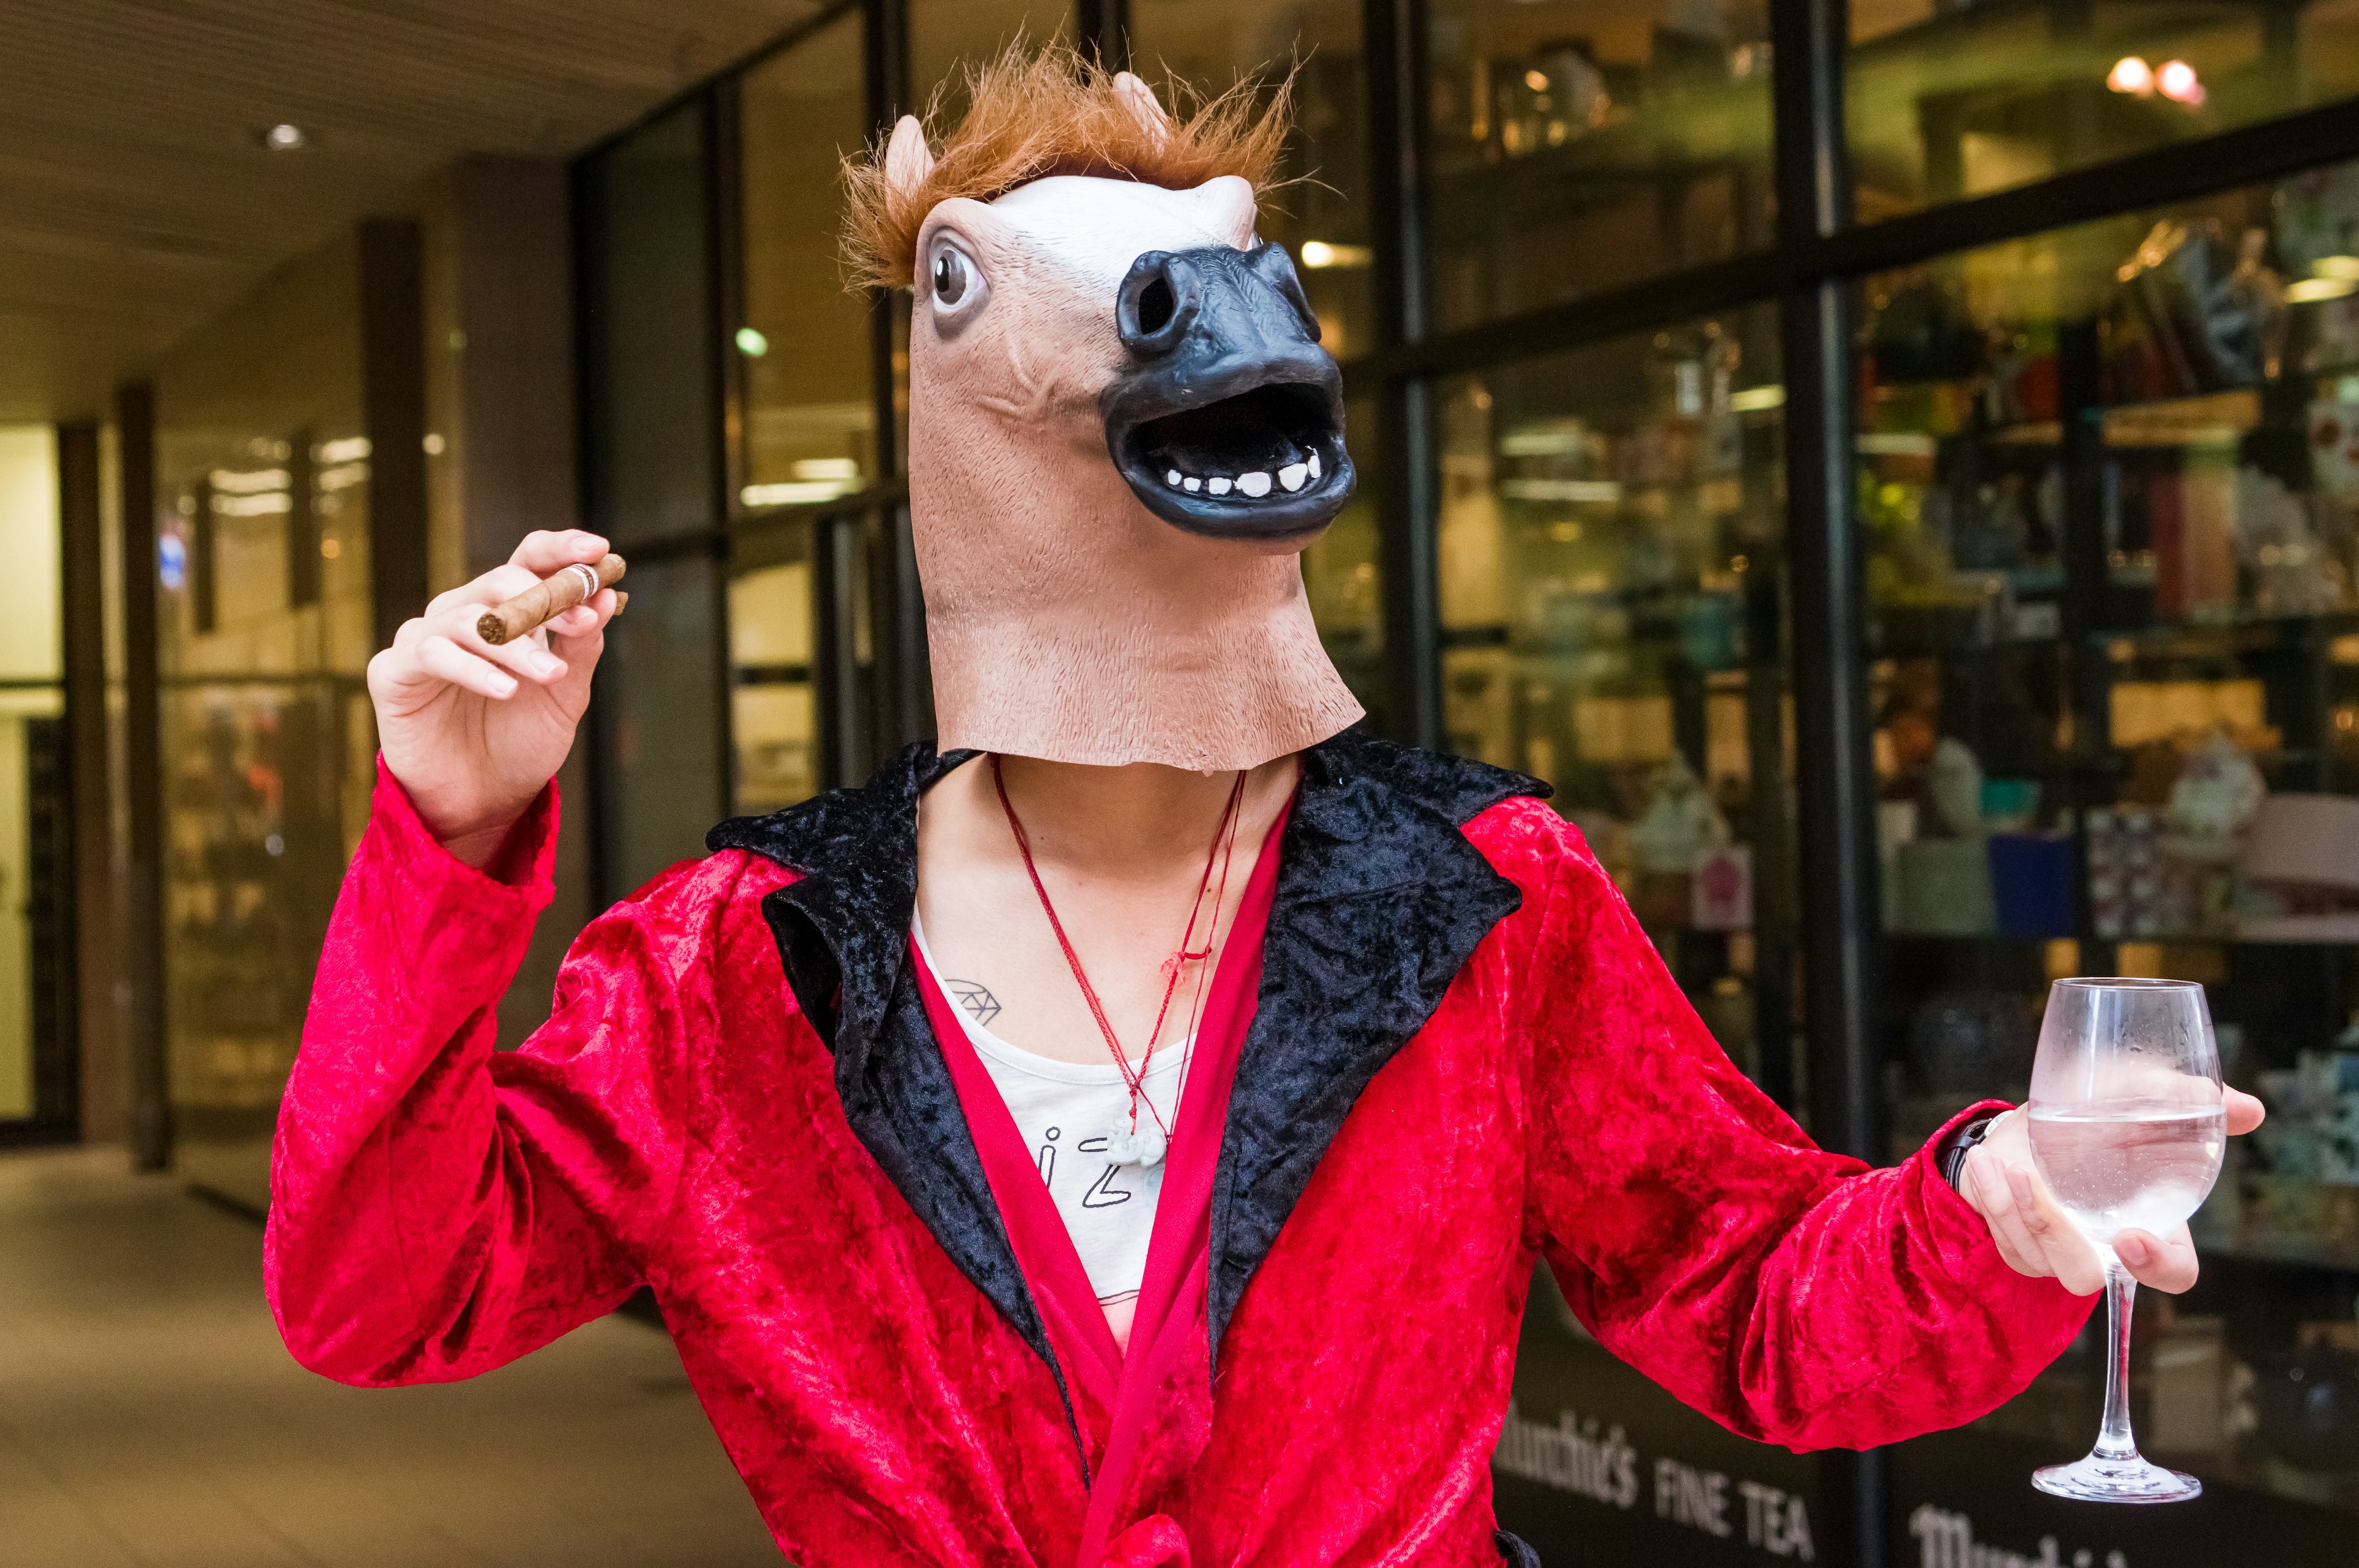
<point>1123,431</point>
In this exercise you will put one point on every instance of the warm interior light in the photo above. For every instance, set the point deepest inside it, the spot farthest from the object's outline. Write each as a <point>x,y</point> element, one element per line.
<point>751,344</point>
<point>2336,266</point>
<point>284,138</point>
<point>2131,74</point>
<point>1321,254</point>
<point>1757,399</point>
<point>1537,81</point>
<point>2176,81</point>
<point>2311,290</point>
<point>827,467</point>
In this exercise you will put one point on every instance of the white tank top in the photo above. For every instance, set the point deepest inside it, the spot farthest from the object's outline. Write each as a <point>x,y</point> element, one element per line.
<point>1065,1109</point>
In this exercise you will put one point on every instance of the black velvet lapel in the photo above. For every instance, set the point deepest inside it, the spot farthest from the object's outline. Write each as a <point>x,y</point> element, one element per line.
<point>1380,901</point>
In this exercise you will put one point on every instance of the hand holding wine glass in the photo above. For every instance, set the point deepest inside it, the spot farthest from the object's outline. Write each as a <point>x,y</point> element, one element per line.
<point>2127,1127</point>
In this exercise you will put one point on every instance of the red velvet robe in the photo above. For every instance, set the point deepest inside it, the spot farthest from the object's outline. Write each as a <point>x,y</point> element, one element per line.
<point>1463,1054</point>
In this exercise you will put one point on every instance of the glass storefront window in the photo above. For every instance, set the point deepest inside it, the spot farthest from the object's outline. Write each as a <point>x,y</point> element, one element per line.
<point>1341,572</point>
<point>773,720</point>
<point>649,414</point>
<point>1612,546</point>
<point>1322,220</point>
<point>1947,101</point>
<point>267,625</point>
<point>2109,487</point>
<point>663,717</point>
<point>1577,145</point>
<point>810,417</point>
<point>946,36</point>
<point>1613,577</point>
<point>32,766</point>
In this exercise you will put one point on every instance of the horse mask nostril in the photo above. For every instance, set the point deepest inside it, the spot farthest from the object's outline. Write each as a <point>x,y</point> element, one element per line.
<point>1156,307</point>
<point>1156,303</point>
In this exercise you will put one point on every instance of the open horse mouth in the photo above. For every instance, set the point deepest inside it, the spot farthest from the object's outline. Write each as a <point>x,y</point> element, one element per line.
<point>1230,421</point>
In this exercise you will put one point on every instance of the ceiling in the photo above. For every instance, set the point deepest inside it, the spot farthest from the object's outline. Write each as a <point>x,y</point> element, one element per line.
<point>136,199</point>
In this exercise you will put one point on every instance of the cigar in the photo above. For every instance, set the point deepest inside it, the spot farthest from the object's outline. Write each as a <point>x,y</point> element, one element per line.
<point>550,598</point>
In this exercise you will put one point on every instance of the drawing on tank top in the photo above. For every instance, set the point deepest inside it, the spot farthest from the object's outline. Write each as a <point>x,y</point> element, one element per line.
<point>1103,1193</point>
<point>1049,1159</point>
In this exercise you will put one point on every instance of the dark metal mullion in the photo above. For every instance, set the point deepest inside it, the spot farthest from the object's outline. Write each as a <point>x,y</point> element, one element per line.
<point>593,737</point>
<point>1407,492</point>
<point>1833,763</point>
<point>82,1052</point>
<point>1102,29</point>
<point>902,705</point>
<point>724,244</point>
<point>150,1112</point>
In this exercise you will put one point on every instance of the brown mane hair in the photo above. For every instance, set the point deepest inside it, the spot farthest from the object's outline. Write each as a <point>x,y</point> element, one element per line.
<point>1051,113</point>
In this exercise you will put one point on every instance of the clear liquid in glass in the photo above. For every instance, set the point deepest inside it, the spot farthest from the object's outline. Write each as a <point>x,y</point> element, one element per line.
<point>2117,1165</point>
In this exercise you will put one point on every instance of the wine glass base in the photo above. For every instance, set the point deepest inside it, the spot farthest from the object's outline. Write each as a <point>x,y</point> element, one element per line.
<point>2130,1480</point>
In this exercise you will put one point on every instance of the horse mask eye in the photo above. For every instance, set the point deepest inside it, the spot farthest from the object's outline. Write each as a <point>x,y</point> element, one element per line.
<point>957,286</point>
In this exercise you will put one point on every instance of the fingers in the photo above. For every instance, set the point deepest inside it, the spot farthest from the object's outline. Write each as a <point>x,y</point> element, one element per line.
<point>2245,1112</point>
<point>2071,1254</point>
<point>2032,1234</point>
<point>543,552</point>
<point>444,646</point>
<point>497,586</point>
<point>588,617</point>
<point>2167,1264</point>
<point>1987,1189</point>
<point>444,660</point>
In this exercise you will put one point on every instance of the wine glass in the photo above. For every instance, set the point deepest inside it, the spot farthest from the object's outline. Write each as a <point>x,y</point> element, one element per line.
<point>2127,1127</point>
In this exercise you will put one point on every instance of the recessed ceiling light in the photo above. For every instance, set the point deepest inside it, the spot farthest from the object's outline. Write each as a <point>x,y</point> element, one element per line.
<point>284,138</point>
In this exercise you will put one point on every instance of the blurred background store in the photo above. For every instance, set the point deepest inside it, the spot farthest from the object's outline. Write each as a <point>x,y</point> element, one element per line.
<point>1894,468</point>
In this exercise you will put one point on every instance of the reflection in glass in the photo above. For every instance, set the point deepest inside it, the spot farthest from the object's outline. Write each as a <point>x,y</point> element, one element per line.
<point>646,380</point>
<point>1948,101</point>
<point>265,626</point>
<point>1323,220</point>
<point>1577,146</point>
<point>773,722</point>
<point>1341,572</point>
<point>2110,501</point>
<point>1612,564</point>
<point>946,35</point>
<point>660,710</point>
<point>809,430</point>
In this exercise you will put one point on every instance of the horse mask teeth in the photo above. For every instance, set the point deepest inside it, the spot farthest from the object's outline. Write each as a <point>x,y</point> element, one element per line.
<point>1123,431</point>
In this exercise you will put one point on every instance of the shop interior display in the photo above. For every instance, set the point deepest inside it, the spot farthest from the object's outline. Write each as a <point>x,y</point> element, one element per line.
<point>2112,516</point>
<point>1612,581</point>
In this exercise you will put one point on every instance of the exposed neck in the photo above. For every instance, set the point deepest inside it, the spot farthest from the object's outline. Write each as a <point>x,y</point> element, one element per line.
<point>1134,820</point>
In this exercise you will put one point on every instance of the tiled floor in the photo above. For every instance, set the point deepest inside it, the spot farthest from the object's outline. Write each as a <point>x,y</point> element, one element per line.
<point>150,1419</point>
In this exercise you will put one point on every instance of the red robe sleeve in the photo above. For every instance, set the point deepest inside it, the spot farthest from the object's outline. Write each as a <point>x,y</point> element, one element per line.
<point>439,1209</point>
<point>1793,1295</point>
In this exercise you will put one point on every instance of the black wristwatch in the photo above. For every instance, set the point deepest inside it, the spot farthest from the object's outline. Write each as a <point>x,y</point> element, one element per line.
<point>1950,1158</point>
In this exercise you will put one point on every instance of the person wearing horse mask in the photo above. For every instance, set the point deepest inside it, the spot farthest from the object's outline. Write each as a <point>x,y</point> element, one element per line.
<point>1124,1135</point>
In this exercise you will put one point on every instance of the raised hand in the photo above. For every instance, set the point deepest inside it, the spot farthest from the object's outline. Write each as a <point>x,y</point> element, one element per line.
<point>473,731</point>
<point>2036,1237</point>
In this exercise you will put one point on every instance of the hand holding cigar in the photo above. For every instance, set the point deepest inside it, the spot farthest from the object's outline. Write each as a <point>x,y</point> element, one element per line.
<point>551,598</point>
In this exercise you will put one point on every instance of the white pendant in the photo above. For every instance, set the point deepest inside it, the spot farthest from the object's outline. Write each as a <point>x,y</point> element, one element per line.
<point>1145,1147</point>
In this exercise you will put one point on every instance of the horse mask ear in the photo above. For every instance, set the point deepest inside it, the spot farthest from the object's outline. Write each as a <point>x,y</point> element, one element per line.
<point>1139,98</point>
<point>908,159</point>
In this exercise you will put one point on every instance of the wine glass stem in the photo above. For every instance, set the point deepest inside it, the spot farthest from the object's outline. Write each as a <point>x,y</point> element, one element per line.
<point>2113,1441</point>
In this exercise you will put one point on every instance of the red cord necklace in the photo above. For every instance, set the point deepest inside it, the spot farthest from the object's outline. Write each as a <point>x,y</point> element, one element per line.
<point>1132,1147</point>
